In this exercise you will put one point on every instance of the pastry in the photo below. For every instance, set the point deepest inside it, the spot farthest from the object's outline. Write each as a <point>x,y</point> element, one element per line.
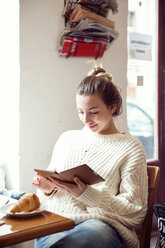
<point>26,203</point>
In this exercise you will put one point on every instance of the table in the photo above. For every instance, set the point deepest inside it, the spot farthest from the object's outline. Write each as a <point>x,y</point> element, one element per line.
<point>17,230</point>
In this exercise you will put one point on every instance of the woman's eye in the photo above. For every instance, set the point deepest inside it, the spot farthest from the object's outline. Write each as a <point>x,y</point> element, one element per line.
<point>94,113</point>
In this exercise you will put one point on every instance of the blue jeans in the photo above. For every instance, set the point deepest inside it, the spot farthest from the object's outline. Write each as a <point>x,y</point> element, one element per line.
<point>91,233</point>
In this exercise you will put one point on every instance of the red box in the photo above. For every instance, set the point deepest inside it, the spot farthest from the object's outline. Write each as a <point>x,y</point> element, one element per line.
<point>81,47</point>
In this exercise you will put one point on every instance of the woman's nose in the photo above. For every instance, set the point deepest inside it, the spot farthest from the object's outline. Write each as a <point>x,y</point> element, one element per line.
<point>86,118</point>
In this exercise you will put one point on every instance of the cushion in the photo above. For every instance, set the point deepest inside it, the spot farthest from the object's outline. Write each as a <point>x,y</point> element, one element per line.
<point>13,194</point>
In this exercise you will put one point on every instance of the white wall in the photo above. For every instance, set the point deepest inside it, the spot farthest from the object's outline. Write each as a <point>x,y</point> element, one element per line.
<point>9,90</point>
<point>48,82</point>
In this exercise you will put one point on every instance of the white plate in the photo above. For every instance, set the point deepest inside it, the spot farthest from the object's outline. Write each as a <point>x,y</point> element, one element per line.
<point>6,209</point>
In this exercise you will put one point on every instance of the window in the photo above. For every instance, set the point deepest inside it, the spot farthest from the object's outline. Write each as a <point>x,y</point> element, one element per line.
<point>9,86</point>
<point>142,74</point>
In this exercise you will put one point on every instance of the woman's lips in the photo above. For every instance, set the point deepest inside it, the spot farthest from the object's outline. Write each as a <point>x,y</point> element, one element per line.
<point>92,126</point>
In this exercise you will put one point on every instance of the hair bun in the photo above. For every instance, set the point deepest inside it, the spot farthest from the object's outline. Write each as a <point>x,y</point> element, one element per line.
<point>98,71</point>
<point>95,71</point>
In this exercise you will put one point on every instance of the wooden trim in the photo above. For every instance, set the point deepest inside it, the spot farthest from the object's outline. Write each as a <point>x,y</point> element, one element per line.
<point>161,101</point>
<point>161,97</point>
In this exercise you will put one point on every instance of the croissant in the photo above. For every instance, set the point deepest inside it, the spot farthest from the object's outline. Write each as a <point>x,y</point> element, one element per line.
<point>26,203</point>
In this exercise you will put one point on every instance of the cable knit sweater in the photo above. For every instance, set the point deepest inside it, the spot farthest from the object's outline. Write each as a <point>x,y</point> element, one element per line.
<point>121,200</point>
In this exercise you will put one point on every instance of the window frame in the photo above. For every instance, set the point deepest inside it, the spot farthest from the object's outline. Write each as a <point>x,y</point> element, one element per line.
<point>161,100</point>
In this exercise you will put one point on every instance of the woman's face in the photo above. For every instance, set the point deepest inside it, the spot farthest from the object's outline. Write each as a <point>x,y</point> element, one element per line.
<point>94,113</point>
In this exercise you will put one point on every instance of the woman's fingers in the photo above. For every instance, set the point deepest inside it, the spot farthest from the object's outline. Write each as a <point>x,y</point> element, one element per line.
<point>35,183</point>
<point>35,180</point>
<point>42,183</point>
<point>78,181</point>
<point>57,182</point>
<point>75,189</point>
<point>82,186</point>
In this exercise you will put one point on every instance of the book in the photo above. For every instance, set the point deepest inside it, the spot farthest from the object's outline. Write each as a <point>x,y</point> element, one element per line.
<point>83,172</point>
<point>81,47</point>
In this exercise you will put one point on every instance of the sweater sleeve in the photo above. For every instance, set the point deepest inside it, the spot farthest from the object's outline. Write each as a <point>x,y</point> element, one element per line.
<point>130,204</point>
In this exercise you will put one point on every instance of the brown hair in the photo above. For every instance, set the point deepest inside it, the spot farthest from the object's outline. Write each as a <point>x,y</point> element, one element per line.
<point>99,82</point>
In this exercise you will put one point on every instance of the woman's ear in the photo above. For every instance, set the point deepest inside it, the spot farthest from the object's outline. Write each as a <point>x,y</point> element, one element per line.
<point>112,108</point>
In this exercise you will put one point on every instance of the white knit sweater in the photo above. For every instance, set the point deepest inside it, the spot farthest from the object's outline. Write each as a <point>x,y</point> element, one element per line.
<point>121,200</point>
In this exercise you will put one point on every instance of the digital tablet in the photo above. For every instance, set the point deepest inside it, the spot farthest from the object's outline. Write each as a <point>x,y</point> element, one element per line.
<point>83,172</point>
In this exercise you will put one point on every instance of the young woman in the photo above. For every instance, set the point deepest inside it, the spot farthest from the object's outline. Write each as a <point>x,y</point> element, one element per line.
<point>107,213</point>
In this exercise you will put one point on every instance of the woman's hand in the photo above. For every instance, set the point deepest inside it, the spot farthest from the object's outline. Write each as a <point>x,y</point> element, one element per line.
<point>74,189</point>
<point>43,184</point>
